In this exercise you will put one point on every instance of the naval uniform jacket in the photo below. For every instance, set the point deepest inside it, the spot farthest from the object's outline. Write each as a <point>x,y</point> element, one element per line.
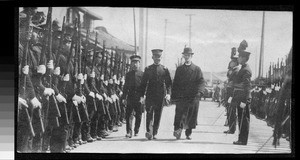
<point>158,82</point>
<point>242,82</point>
<point>133,81</point>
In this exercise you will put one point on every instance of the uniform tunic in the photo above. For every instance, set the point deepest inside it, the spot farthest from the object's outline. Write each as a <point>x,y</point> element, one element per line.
<point>242,92</point>
<point>132,83</point>
<point>158,82</point>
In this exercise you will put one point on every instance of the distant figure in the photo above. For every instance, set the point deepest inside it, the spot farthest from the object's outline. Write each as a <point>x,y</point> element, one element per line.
<point>216,96</point>
<point>187,90</point>
<point>157,80</point>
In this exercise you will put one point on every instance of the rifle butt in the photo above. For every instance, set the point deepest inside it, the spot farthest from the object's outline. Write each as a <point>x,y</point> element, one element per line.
<point>53,103</point>
<point>77,114</point>
<point>41,120</point>
<point>66,113</point>
<point>28,119</point>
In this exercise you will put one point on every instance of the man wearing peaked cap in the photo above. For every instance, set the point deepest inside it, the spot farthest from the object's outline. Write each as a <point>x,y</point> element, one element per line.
<point>157,80</point>
<point>242,95</point>
<point>187,90</point>
<point>130,98</point>
<point>233,68</point>
<point>157,52</point>
<point>135,58</point>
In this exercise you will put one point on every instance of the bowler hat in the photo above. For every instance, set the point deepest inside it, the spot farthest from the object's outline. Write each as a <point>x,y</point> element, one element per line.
<point>187,50</point>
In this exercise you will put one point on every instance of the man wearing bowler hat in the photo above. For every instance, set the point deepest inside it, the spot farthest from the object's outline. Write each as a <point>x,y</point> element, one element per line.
<point>187,90</point>
<point>130,97</point>
<point>242,95</point>
<point>158,82</point>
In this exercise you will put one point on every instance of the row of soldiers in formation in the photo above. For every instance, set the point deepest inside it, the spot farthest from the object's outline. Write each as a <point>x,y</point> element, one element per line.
<point>80,100</point>
<point>271,103</point>
<point>69,92</point>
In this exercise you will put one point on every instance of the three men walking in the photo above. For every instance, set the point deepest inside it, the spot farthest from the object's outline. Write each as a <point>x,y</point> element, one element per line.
<point>187,89</point>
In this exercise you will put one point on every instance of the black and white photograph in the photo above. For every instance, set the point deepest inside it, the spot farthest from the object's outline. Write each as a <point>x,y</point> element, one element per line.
<point>154,81</point>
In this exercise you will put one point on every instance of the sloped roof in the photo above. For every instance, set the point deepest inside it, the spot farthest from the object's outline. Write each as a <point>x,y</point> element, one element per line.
<point>110,40</point>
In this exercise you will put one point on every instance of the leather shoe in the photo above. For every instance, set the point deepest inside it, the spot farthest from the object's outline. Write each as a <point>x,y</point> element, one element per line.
<point>128,135</point>
<point>188,138</point>
<point>239,143</point>
<point>89,140</point>
<point>177,134</point>
<point>98,138</point>
<point>228,132</point>
<point>148,135</point>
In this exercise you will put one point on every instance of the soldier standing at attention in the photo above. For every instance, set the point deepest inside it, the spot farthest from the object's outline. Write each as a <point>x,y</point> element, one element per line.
<point>157,80</point>
<point>233,68</point>
<point>130,98</point>
<point>187,90</point>
<point>242,96</point>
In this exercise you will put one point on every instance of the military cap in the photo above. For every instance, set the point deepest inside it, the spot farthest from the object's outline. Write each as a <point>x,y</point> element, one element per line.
<point>243,45</point>
<point>187,50</point>
<point>55,25</point>
<point>38,18</point>
<point>70,29</point>
<point>244,54</point>
<point>135,58</point>
<point>157,52</point>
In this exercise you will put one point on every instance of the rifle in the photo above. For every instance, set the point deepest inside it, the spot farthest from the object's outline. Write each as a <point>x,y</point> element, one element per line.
<point>52,101</point>
<point>104,72</point>
<point>116,87</point>
<point>25,109</point>
<point>81,105</point>
<point>61,40</point>
<point>58,51</point>
<point>89,98</point>
<point>93,66</point>
<point>68,63</point>
<point>111,74</point>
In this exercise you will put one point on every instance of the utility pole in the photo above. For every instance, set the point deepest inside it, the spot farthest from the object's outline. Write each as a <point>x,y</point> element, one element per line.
<point>190,28</point>
<point>261,58</point>
<point>134,31</point>
<point>146,39</point>
<point>141,37</point>
<point>164,55</point>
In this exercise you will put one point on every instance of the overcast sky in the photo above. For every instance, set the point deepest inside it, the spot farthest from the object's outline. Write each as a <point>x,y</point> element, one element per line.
<point>214,33</point>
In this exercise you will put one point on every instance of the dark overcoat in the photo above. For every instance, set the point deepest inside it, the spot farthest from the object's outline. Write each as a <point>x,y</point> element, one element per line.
<point>188,87</point>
